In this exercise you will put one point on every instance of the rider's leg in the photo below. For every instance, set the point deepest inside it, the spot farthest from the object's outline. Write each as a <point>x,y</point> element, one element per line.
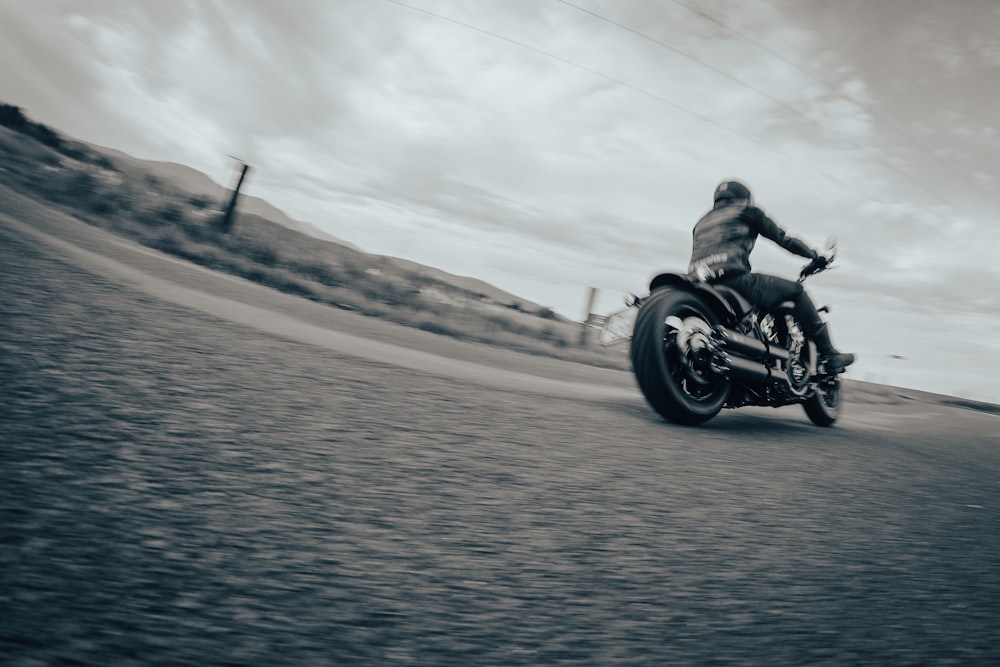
<point>817,330</point>
<point>768,291</point>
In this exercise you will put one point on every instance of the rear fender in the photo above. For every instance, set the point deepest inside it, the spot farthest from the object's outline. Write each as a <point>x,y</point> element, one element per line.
<point>712,299</point>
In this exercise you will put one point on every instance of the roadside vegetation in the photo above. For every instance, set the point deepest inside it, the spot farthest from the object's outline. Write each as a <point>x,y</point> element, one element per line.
<point>88,184</point>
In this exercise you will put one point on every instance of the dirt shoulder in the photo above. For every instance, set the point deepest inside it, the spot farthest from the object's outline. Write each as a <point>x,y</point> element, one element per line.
<point>298,318</point>
<point>250,304</point>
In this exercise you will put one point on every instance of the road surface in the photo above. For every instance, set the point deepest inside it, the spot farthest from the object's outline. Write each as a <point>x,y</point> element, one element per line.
<point>197,470</point>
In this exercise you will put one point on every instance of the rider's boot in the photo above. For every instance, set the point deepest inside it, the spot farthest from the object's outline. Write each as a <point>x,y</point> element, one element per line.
<point>833,360</point>
<point>815,328</point>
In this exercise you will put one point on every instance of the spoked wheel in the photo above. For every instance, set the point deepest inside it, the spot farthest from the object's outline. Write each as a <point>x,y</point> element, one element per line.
<point>823,407</point>
<point>823,403</point>
<point>679,387</point>
<point>783,330</point>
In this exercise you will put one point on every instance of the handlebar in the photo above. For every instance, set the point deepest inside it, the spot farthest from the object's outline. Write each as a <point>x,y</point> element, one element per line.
<point>815,266</point>
<point>820,263</point>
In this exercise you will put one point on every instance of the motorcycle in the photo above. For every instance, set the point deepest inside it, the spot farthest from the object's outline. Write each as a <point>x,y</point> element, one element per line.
<point>698,347</point>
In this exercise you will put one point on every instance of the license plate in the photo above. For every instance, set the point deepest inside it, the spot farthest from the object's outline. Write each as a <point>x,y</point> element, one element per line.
<point>618,327</point>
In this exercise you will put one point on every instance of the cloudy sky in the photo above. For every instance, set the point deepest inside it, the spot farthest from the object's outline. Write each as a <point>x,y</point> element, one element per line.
<point>547,146</point>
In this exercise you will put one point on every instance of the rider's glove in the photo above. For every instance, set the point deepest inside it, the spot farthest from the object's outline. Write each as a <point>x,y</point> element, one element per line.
<point>818,263</point>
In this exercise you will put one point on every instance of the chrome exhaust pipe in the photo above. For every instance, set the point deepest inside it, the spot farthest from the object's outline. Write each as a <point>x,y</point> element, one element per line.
<point>752,372</point>
<point>746,346</point>
<point>746,370</point>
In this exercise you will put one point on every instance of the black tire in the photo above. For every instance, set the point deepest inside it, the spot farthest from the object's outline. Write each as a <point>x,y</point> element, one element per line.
<point>666,383</point>
<point>823,407</point>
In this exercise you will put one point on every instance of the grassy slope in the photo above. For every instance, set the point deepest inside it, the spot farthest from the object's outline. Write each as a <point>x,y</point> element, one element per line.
<point>126,199</point>
<point>135,203</point>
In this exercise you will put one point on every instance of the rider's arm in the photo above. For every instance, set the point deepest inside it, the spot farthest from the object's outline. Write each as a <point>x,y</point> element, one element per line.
<point>770,229</point>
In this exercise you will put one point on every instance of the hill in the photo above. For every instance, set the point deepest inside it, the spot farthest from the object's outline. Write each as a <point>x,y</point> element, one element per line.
<point>198,183</point>
<point>474,286</point>
<point>177,210</point>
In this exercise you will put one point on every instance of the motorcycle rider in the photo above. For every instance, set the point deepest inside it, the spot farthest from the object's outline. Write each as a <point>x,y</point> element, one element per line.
<point>723,239</point>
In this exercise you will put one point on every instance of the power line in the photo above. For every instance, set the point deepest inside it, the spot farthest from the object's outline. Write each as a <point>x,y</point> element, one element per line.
<point>625,84</point>
<point>733,31</point>
<point>584,68</point>
<point>794,65</point>
<point>697,61</point>
<point>922,148</point>
<point>707,119</point>
<point>760,92</point>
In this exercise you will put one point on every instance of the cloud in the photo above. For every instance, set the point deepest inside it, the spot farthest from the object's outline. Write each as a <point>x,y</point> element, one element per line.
<point>546,147</point>
<point>69,70</point>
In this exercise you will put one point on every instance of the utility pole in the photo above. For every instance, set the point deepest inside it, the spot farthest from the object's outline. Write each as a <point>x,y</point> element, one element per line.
<point>586,324</point>
<point>230,212</point>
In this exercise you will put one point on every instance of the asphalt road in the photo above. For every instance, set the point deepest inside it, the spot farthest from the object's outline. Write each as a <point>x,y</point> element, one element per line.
<point>195,470</point>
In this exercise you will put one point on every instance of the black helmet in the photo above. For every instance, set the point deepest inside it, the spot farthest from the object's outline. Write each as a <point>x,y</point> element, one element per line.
<point>732,190</point>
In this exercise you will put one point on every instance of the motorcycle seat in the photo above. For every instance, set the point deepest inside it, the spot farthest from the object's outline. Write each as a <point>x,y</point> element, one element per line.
<point>735,299</point>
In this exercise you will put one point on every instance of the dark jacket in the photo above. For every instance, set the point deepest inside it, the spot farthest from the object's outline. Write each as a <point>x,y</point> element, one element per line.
<point>724,237</point>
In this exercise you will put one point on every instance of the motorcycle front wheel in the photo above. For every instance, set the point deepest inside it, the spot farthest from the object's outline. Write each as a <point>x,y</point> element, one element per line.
<point>675,389</point>
<point>823,407</point>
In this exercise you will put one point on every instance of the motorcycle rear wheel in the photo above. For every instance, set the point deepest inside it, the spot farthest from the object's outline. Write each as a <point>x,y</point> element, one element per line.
<point>669,385</point>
